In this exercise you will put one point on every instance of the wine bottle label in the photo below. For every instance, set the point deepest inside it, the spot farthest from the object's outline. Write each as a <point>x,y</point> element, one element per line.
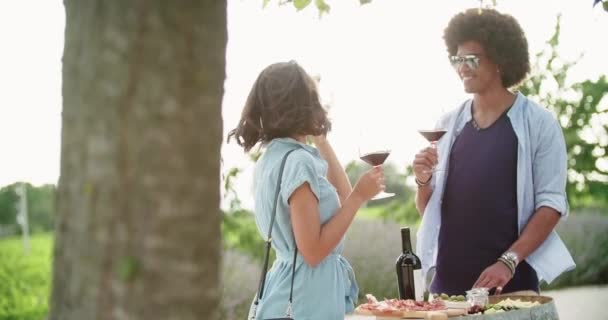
<point>419,285</point>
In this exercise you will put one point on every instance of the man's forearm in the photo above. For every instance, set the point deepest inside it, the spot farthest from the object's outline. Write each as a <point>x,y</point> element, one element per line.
<point>536,232</point>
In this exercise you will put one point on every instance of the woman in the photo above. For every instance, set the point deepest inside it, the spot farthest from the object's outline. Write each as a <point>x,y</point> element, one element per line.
<point>316,202</point>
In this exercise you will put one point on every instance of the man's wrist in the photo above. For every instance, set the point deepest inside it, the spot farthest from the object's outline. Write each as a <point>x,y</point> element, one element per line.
<point>507,264</point>
<point>510,259</point>
<point>423,183</point>
<point>511,256</point>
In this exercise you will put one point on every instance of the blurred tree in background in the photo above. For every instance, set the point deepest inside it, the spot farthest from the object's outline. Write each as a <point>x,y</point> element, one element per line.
<point>401,208</point>
<point>582,110</point>
<point>40,205</point>
<point>239,231</point>
<point>394,181</point>
<point>8,206</point>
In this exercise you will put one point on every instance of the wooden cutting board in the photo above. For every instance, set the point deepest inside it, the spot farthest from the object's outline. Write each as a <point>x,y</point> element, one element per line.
<point>435,315</point>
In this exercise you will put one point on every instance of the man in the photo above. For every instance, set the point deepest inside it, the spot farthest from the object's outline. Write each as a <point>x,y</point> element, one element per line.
<point>488,216</point>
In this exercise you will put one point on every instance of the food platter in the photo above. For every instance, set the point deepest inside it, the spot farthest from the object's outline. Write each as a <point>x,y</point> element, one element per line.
<point>406,309</point>
<point>545,309</point>
<point>507,307</point>
<point>412,314</point>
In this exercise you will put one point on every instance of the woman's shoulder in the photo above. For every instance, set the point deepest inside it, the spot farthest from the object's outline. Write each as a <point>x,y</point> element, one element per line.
<point>297,156</point>
<point>270,162</point>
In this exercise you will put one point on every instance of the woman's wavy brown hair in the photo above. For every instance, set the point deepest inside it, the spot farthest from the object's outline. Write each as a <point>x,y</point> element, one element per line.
<point>283,102</point>
<point>499,34</point>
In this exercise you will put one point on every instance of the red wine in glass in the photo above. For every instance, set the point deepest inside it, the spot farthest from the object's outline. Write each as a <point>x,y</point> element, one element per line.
<point>432,135</point>
<point>375,158</point>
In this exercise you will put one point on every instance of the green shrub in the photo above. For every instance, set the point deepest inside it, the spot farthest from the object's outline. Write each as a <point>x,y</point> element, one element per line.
<point>240,233</point>
<point>402,212</point>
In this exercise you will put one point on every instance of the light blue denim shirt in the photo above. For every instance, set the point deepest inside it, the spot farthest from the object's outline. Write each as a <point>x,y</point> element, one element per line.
<point>541,181</point>
<point>326,291</point>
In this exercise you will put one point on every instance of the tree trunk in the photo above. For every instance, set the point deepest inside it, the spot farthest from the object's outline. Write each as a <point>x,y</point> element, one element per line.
<point>138,226</point>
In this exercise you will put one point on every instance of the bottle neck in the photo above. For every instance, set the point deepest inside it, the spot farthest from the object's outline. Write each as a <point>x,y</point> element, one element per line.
<point>406,244</point>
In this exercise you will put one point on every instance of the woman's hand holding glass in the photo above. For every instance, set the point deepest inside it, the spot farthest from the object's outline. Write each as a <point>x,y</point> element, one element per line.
<point>370,184</point>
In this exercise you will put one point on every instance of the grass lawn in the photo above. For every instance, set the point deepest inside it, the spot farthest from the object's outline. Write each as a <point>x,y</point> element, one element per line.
<point>25,280</point>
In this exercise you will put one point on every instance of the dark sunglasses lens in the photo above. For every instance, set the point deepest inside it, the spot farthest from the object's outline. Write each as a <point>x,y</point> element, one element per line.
<point>455,61</point>
<point>472,62</point>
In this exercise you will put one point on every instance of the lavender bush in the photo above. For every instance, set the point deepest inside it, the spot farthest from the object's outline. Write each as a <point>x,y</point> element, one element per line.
<point>240,275</point>
<point>372,247</point>
<point>586,236</point>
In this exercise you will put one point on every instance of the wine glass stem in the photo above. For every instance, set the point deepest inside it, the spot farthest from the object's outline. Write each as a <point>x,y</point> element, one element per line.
<point>434,168</point>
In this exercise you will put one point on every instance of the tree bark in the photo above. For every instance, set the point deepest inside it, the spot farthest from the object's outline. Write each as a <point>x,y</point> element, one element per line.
<point>138,226</point>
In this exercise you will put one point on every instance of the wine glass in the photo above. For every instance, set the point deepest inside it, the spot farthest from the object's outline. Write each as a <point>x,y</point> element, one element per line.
<point>433,136</point>
<point>374,151</point>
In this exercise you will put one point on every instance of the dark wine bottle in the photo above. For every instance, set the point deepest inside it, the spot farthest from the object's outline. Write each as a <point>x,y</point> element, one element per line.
<point>408,267</point>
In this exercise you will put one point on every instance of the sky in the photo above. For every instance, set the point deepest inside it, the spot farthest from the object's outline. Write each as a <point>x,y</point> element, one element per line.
<point>383,70</point>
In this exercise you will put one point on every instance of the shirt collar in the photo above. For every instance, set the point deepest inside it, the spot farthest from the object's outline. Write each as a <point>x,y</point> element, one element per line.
<point>516,109</point>
<point>294,142</point>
